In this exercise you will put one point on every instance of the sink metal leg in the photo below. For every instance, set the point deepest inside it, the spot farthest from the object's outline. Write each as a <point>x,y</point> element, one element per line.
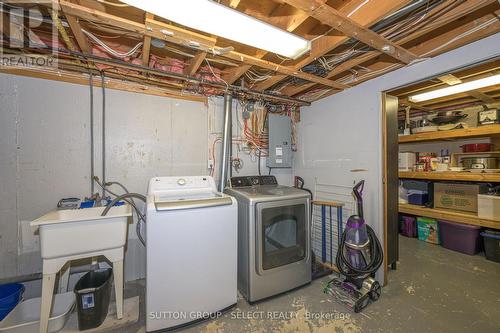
<point>118,277</point>
<point>46,303</point>
<point>64,278</point>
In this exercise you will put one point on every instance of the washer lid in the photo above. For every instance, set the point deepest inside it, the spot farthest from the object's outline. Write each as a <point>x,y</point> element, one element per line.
<point>186,200</point>
<point>267,193</point>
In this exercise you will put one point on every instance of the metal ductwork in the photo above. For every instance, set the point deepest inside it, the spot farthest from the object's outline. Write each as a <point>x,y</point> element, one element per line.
<point>227,143</point>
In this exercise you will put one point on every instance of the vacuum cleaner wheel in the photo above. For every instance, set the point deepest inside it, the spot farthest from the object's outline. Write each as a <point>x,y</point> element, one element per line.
<point>375,291</point>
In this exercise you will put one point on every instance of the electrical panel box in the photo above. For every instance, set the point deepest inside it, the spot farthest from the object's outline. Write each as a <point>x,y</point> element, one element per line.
<point>280,141</point>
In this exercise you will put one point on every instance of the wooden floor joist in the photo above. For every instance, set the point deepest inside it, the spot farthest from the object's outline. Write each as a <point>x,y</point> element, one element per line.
<point>82,79</point>
<point>281,18</point>
<point>454,14</point>
<point>365,15</point>
<point>328,24</point>
<point>333,18</point>
<point>195,63</point>
<point>180,36</point>
<point>146,47</point>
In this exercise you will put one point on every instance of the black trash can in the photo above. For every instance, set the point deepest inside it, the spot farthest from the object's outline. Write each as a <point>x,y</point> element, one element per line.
<point>93,291</point>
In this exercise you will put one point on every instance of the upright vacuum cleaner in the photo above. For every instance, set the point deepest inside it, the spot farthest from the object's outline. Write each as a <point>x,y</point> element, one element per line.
<point>359,256</point>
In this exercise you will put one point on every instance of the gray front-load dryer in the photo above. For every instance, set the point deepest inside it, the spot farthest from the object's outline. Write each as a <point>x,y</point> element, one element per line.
<point>274,250</point>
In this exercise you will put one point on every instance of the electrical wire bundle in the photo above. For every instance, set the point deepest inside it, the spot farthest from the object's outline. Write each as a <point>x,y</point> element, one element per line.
<point>393,28</point>
<point>256,132</point>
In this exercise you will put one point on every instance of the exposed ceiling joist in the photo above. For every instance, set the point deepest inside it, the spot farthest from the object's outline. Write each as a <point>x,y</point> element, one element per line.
<point>152,28</point>
<point>339,21</point>
<point>333,18</point>
<point>270,82</point>
<point>482,97</point>
<point>195,63</point>
<point>406,102</point>
<point>234,73</point>
<point>234,3</point>
<point>176,35</point>
<point>281,18</point>
<point>365,15</point>
<point>282,69</point>
<point>79,78</point>
<point>76,29</point>
<point>462,10</point>
<point>345,66</point>
<point>449,79</point>
<point>146,48</point>
<point>441,43</point>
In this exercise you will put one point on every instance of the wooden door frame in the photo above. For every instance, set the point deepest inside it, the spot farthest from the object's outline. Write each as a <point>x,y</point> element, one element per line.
<point>385,181</point>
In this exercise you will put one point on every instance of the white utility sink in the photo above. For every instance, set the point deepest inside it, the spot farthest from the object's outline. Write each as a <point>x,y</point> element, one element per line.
<point>73,234</point>
<point>76,231</point>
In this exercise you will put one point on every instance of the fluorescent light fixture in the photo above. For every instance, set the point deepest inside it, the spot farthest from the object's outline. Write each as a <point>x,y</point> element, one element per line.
<point>216,19</point>
<point>456,89</point>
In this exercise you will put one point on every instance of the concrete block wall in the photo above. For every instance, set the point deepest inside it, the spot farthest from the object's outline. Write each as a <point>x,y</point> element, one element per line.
<point>45,155</point>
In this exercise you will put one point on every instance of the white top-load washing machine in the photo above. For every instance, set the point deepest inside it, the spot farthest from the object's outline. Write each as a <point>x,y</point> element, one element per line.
<point>191,246</point>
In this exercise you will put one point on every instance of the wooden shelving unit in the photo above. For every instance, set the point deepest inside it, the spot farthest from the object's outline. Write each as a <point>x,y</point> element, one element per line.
<point>452,176</point>
<point>448,215</point>
<point>474,132</point>
<point>492,131</point>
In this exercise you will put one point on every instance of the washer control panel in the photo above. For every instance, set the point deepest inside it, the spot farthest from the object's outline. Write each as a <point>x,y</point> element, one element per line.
<point>253,181</point>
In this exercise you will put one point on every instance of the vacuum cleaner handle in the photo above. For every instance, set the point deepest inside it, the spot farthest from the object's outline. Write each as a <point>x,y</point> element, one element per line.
<point>358,193</point>
<point>299,182</point>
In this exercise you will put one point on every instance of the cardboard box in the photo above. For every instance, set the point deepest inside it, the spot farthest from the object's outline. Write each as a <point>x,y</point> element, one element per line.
<point>488,207</point>
<point>458,196</point>
<point>406,161</point>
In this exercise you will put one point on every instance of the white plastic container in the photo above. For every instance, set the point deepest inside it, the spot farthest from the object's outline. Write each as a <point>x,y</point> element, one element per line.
<point>25,318</point>
<point>488,206</point>
<point>406,161</point>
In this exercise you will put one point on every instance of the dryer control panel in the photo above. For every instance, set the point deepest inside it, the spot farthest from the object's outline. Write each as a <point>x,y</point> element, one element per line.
<point>253,181</point>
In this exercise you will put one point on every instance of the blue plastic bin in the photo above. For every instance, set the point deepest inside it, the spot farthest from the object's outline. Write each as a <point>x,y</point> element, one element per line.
<point>10,295</point>
<point>491,244</point>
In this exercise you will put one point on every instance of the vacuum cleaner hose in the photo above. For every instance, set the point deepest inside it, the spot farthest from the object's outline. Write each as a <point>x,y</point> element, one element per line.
<point>344,265</point>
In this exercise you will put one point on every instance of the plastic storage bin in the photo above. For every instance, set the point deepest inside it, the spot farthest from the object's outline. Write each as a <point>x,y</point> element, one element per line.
<point>416,197</point>
<point>460,237</point>
<point>420,192</point>
<point>491,245</point>
<point>428,230</point>
<point>408,226</point>
<point>25,318</point>
<point>93,291</point>
<point>10,295</point>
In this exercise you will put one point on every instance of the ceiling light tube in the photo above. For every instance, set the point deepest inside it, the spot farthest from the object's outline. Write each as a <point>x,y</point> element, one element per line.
<point>216,19</point>
<point>456,89</point>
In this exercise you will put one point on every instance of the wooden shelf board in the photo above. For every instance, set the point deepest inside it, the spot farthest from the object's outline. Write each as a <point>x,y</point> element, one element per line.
<point>448,215</point>
<point>473,132</point>
<point>450,175</point>
<point>483,153</point>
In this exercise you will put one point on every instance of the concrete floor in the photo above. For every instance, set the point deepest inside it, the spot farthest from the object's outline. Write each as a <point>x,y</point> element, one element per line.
<point>433,290</point>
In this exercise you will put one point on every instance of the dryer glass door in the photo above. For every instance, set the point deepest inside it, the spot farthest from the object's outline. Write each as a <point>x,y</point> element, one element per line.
<point>283,234</point>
